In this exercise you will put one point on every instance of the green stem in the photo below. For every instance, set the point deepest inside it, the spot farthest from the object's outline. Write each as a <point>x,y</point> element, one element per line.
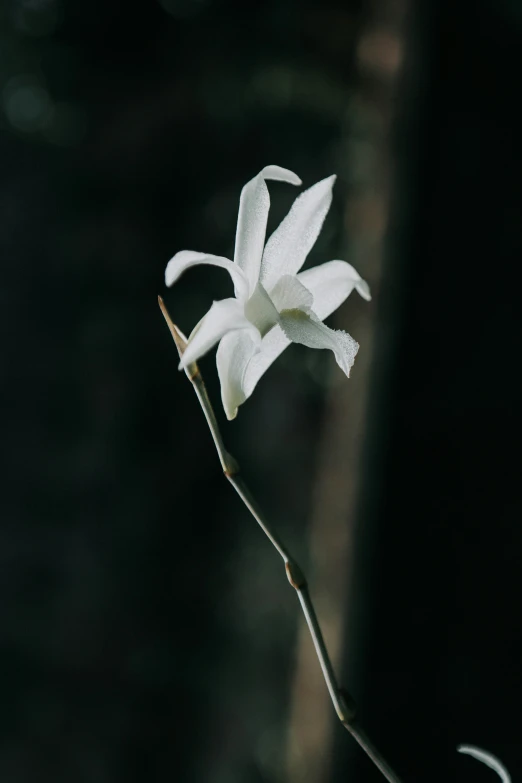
<point>343,703</point>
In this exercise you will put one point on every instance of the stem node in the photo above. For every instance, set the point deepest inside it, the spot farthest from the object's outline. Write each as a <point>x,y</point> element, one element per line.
<point>349,707</point>
<point>294,575</point>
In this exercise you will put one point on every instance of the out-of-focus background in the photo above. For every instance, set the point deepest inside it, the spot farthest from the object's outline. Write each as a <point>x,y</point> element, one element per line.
<point>147,631</point>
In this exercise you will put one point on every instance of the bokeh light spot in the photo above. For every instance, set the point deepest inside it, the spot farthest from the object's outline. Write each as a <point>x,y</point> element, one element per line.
<point>26,103</point>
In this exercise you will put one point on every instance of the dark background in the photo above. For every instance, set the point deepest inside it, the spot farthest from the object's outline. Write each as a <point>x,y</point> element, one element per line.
<point>145,625</point>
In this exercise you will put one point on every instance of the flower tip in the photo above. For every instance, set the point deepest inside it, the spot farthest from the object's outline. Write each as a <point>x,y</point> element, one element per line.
<point>330,181</point>
<point>486,758</point>
<point>363,289</point>
<point>325,185</point>
<point>172,271</point>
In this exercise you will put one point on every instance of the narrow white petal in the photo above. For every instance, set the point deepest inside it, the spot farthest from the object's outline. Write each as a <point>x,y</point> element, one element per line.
<point>290,294</point>
<point>187,258</point>
<point>233,355</point>
<point>278,174</point>
<point>271,347</point>
<point>287,248</point>
<point>251,222</point>
<point>488,759</point>
<point>331,284</point>
<point>224,316</point>
<point>308,330</point>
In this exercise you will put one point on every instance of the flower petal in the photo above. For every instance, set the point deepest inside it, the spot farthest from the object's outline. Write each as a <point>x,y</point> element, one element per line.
<point>260,310</point>
<point>251,222</point>
<point>287,248</point>
<point>271,347</point>
<point>187,258</point>
<point>233,355</point>
<point>224,316</point>
<point>331,284</point>
<point>487,758</point>
<point>308,330</point>
<point>290,294</point>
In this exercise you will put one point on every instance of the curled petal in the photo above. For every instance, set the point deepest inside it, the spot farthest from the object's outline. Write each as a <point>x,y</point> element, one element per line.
<point>233,355</point>
<point>487,758</point>
<point>251,222</point>
<point>224,316</point>
<point>290,294</point>
<point>187,258</point>
<point>331,284</point>
<point>287,248</point>
<point>308,330</point>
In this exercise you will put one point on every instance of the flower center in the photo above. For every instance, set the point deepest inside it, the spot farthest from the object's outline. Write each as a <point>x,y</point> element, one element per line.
<point>260,310</point>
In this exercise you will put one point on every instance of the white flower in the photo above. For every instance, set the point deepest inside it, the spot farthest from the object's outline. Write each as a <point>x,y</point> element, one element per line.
<point>487,758</point>
<point>273,304</point>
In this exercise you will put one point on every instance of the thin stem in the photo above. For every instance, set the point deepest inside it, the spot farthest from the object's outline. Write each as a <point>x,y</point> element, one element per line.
<point>245,495</point>
<point>341,707</point>
<point>342,701</point>
<point>358,734</point>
